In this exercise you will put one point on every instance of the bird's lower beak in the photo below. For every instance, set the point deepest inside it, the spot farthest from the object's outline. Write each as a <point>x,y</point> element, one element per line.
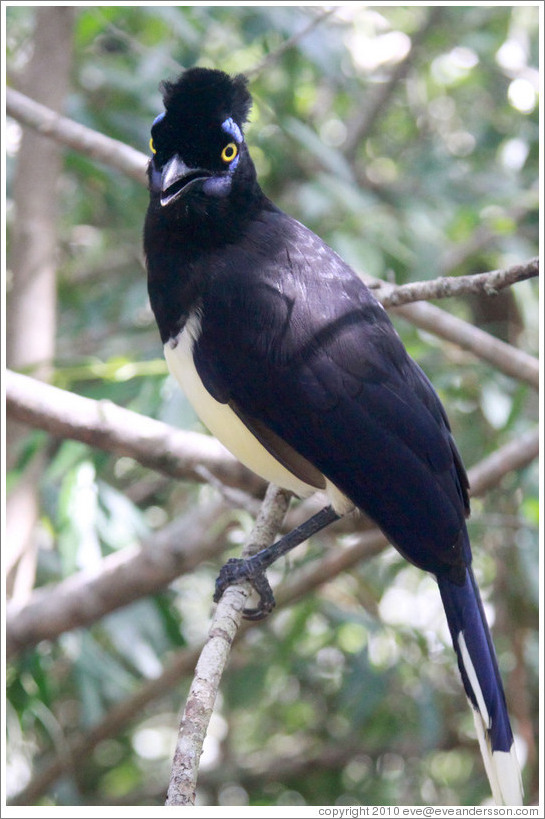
<point>175,177</point>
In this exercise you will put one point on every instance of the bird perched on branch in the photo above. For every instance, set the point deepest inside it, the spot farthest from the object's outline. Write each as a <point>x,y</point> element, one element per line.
<point>291,362</point>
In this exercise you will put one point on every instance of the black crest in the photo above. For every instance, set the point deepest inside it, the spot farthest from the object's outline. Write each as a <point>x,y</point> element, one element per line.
<point>204,96</point>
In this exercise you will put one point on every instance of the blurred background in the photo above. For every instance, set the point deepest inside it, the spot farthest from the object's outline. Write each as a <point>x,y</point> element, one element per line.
<point>406,137</point>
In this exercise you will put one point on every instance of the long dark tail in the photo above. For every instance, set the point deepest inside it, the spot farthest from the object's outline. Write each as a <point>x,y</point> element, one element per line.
<point>482,682</point>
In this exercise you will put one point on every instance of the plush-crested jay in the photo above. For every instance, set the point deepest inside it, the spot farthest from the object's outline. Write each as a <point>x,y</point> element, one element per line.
<point>291,362</point>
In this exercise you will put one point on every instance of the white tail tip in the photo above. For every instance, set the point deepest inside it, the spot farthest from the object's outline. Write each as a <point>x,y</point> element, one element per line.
<point>502,768</point>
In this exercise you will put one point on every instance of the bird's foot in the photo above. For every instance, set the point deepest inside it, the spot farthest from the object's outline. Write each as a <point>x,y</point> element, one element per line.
<point>237,570</point>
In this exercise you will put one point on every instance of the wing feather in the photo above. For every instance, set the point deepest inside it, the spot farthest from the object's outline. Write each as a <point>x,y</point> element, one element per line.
<point>317,363</point>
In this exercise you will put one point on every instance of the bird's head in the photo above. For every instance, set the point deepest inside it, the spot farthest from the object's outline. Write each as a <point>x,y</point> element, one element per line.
<point>199,155</point>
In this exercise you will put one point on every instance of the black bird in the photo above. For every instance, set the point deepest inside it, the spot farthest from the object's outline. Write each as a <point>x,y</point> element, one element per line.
<point>292,363</point>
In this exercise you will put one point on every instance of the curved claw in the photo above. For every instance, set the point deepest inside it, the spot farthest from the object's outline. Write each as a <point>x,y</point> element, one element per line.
<point>259,613</point>
<point>237,570</point>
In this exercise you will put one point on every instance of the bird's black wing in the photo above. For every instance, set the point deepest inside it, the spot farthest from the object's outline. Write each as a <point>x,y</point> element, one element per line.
<point>317,362</point>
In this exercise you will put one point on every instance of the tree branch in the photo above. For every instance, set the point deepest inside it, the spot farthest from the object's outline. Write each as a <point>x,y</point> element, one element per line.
<point>446,286</point>
<point>504,357</point>
<point>67,132</point>
<point>517,454</point>
<point>123,577</point>
<point>102,424</point>
<point>209,670</point>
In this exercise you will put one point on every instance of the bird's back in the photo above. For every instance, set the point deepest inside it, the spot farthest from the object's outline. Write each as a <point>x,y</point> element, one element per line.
<point>291,336</point>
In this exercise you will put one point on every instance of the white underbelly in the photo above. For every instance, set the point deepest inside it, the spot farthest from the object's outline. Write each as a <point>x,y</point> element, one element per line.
<point>226,425</point>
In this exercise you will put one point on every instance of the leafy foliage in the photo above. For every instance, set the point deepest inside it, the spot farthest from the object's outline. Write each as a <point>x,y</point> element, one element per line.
<point>349,696</point>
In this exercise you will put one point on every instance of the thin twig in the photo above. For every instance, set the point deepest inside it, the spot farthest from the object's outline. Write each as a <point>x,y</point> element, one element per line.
<point>205,686</point>
<point>447,286</point>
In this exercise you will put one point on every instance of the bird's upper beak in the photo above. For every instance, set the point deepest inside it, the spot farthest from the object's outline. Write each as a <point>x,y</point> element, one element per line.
<point>176,176</point>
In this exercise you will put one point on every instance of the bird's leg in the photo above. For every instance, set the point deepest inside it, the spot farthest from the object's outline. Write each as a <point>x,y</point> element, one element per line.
<point>237,570</point>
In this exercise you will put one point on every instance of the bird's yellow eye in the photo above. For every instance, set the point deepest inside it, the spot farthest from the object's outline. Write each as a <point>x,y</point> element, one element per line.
<point>153,149</point>
<point>229,152</point>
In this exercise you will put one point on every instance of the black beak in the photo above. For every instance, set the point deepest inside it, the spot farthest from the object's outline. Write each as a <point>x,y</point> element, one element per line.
<point>175,177</point>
